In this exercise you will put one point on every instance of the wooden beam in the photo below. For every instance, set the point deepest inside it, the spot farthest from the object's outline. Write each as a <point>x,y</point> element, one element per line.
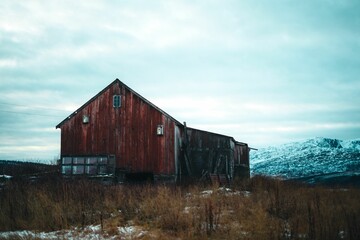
<point>186,151</point>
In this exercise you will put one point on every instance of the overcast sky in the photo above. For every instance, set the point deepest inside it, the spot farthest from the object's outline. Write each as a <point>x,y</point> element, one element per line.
<point>264,72</point>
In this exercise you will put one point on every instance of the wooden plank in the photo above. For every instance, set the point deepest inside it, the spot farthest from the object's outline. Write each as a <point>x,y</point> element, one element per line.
<point>186,151</point>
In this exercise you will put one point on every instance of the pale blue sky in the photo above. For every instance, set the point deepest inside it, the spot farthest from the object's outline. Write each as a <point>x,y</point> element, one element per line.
<point>264,72</point>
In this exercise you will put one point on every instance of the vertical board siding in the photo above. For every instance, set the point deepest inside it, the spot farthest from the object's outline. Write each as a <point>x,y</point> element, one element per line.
<point>95,137</point>
<point>178,152</point>
<point>207,149</point>
<point>128,132</point>
<point>241,154</point>
<point>216,154</point>
<point>142,149</point>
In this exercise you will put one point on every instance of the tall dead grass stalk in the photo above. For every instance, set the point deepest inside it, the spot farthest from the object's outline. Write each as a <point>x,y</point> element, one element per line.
<point>270,209</point>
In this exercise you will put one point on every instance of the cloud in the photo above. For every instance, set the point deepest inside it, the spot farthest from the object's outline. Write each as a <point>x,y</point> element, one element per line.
<point>261,71</point>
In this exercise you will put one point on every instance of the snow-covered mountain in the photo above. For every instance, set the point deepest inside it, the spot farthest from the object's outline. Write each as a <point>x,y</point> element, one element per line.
<point>309,159</point>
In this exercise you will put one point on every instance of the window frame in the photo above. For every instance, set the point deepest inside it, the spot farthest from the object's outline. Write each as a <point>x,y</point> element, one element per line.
<point>117,101</point>
<point>91,165</point>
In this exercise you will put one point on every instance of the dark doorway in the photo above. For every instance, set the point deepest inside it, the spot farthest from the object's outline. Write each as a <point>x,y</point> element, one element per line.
<point>139,177</point>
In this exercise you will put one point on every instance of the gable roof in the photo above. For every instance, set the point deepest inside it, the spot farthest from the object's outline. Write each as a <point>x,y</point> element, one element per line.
<point>117,81</point>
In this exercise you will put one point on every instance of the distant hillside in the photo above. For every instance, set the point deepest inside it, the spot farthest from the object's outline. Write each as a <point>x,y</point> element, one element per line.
<point>315,160</point>
<point>19,168</point>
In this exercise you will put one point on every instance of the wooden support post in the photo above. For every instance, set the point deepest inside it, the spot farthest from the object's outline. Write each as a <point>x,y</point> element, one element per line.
<point>186,151</point>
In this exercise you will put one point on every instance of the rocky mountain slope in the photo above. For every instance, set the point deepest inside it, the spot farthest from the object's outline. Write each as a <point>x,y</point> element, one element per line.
<point>314,160</point>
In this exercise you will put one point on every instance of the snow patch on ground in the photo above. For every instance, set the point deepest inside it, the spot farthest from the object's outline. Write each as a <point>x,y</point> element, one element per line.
<point>92,232</point>
<point>5,176</point>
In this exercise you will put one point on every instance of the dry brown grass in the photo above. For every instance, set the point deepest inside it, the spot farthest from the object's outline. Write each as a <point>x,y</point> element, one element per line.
<point>271,209</point>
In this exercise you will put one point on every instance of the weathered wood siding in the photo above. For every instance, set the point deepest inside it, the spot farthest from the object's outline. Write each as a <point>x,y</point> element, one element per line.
<point>128,132</point>
<point>96,137</point>
<point>241,154</point>
<point>209,152</point>
<point>141,149</point>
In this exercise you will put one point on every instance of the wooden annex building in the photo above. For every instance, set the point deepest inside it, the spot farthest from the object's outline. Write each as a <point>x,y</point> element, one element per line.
<point>120,134</point>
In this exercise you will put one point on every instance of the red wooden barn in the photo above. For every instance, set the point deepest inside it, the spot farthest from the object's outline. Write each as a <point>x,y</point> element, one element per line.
<point>119,133</point>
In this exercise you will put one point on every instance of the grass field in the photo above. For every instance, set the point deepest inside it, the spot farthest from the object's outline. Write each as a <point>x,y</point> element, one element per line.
<point>260,208</point>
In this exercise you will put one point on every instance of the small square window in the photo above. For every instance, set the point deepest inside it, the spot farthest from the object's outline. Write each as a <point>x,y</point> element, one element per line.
<point>111,160</point>
<point>102,160</point>
<point>117,101</point>
<point>160,130</point>
<point>91,160</point>
<point>91,170</point>
<point>66,160</point>
<point>78,169</point>
<point>66,170</point>
<point>78,160</point>
<point>85,119</point>
<point>103,170</point>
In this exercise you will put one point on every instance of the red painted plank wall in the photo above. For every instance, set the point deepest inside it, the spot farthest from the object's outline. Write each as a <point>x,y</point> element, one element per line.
<point>128,132</point>
<point>96,137</point>
<point>141,149</point>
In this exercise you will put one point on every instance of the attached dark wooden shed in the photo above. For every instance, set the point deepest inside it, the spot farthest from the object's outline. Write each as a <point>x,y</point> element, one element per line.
<point>120,133</point>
